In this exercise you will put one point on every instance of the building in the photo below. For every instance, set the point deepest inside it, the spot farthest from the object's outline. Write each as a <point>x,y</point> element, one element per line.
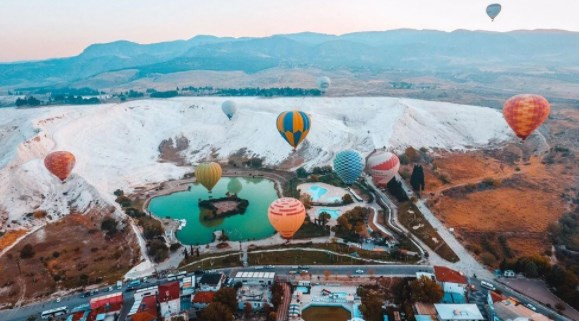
<point>140,293</point>
<point>511,309</point>
<point>462,312</point>
<point>144,310</point>
<point>211,282</point>
<point>202,299</point>
<point>446,275</point>
<point>256,295</point>
<point>424,310</point>
<point>453,283</point>
<point>187,285</point>
<point>106,307</point>
<point>255,278</point>
<point>169,299</point>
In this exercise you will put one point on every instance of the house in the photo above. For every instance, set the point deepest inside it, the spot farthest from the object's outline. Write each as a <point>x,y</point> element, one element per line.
<point>453,283</point>
<point>202,299</point>
<point>188,285</point>
<point>511,309</point>
<point>140,293</point>
<point>106,307</point>
<point>255,278</point>
<point>256,295</point>
<point>169,299</point>
<point>462,312</point>
<point>446,275</point>
<point>144,310</point>
<point>211,282</point>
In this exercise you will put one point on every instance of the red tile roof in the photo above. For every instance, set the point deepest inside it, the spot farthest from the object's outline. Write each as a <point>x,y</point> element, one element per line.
<point>496,297</point>
<point>444,274</point>
<point>203,297</point>
<point>111,308</point>
<point>148,309</point>
<point>169,291</point>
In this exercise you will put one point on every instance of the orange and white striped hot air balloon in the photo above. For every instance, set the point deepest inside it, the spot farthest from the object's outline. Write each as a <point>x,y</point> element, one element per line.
<point>287,216</point>
<point>525,113</point>
<point>60,164</point>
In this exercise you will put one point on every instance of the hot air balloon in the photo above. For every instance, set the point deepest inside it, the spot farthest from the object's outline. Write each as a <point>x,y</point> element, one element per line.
<point>286,215</point>
<point>525,113</point>
<point>293,126</point>
<point>234,186</point>
<point>383,166</point>
<point>60,164</point>
<point>493,10</point>
<point>208,174</point>
<point>324,83</point>
<point>349,165</point>
<point>229,108</point>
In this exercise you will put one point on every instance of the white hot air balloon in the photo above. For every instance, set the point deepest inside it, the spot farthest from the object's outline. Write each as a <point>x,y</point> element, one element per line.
<point>324,83</point>
<point>383,166</point>
<point>229,108</point>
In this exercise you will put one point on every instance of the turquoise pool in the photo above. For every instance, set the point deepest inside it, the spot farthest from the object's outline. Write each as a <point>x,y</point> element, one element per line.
<point>252,225</point>
<point>334,214</point>
<point>317,192</point>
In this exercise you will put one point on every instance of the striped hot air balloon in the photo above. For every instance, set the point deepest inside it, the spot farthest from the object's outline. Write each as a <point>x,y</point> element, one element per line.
<point>349,165</point>
<point>525,113</point>
<point>293,126</point>
<point>208,174</point>
<point>287,216</point>
<point>383,166</point>
<point>60,164</point>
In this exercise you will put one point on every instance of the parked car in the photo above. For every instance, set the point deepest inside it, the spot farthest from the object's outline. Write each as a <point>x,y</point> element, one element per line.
<point>360,271</point>
<point>530,306</point>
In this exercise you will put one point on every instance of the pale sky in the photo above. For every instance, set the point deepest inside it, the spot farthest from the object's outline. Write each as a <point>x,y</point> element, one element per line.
<point>37,29</point>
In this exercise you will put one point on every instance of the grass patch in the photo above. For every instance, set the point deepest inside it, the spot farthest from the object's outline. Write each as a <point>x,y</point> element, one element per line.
<point>296,257</point>
<point>211,261</point>
<point>410,217</point>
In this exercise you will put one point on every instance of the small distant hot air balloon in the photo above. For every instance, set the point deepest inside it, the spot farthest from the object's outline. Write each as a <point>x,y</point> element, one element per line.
<point>324,83</point>
<point>229,108</point>
<point>60,164</point>
<point>349,165</point>
<point>293,126</point>
<point>493,10</point>
<point>287,216</point>
<point>234,186</point>
<point>383,166</point>
<point>525,113</point>
<point>208,174</point>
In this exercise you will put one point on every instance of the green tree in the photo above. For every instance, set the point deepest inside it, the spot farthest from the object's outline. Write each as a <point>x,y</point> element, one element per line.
<point>417,178</point>
<point>531,270</point>
<point>372,309</point>
<point>425,290</point>
<point>109,225</point>
<point>324,218</point>
<point>227,297</point>
<point>27,251</point>
<point>347,199</point>
<point>302,173</point>
<point>158,250</point>
<point>247,310</point>
<point>216,311</point>
<point>306,199</point>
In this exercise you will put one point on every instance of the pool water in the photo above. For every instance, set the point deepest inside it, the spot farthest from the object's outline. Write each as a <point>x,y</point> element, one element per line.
<point>303,289</point>
<point>334,214</point>
<point>316,192</point>
<point>326,313</point>
<point>251,225</point>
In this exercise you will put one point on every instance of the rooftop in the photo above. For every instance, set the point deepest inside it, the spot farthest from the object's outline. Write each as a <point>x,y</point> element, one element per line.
<point>203,297</point>
<point>444,274</point>
<point>510,309</point>
<point>458,312</point>
<point>424,308</point>
<point>169,291</point>
<point>211,278</point>
<point>259,275</point>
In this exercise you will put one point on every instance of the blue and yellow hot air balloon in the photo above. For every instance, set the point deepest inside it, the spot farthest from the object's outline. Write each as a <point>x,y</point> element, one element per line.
<point>293,126</point>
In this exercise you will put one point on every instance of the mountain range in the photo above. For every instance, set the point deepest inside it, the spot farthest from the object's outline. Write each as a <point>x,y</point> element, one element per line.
<point>546,51</point>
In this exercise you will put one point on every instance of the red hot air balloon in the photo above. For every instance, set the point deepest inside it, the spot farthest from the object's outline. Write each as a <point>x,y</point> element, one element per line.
<point>525,113</point>
<point>60,164</point>
<point>383,166</point>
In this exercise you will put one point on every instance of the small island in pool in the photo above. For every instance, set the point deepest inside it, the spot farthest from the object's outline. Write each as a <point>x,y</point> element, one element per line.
<point>219,208</point>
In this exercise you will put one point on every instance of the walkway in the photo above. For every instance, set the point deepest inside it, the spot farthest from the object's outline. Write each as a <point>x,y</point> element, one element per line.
<point>283,308</point>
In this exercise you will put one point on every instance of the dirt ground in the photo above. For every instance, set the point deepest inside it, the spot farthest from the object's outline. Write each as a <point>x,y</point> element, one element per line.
<point>507,191</point>
<point>68,254</point>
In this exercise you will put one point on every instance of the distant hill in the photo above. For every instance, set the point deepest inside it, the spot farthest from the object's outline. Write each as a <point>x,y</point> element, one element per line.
<point>404,49</point>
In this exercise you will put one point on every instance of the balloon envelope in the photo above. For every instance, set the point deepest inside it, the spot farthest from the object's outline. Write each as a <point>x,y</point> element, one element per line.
<point>324,83</point>
<point>349,165</point>
<point>525,113</point>
<point>286,215</point>
<point>493,10</point>
<point>234,186</point>
<point>208,174</point>
<point>60,164</point>
<point>229,108</point>
<point>383,166</point>
<point>293,126</point>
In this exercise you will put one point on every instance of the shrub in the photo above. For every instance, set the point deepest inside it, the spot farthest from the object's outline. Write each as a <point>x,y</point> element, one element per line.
<point>109,225</point>
<point>347,199</point>
<point>27,251</point>
<point>158,250</point>
<point>174,247</point>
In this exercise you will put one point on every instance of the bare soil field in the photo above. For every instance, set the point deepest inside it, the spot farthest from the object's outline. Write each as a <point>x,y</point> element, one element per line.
<point>70,253</point>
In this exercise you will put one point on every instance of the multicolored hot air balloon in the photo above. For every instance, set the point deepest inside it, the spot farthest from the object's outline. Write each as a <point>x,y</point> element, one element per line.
<point>287,216</point>
<point>383,166</point>
<point>525,113</point>
<point>229,108</point>
<point>324,83</point>
<point>208,174</point>
<point>293,126</point>
<point>493,10</point>
<point>349,165</point>
<point>60,164</point>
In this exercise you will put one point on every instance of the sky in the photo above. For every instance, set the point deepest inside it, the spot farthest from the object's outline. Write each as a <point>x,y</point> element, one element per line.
<point>39,29</point>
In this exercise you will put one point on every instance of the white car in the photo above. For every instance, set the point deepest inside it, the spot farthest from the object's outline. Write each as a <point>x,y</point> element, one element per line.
<point>58,299</point>
<point>360,271</point>
<point>532,307</point>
